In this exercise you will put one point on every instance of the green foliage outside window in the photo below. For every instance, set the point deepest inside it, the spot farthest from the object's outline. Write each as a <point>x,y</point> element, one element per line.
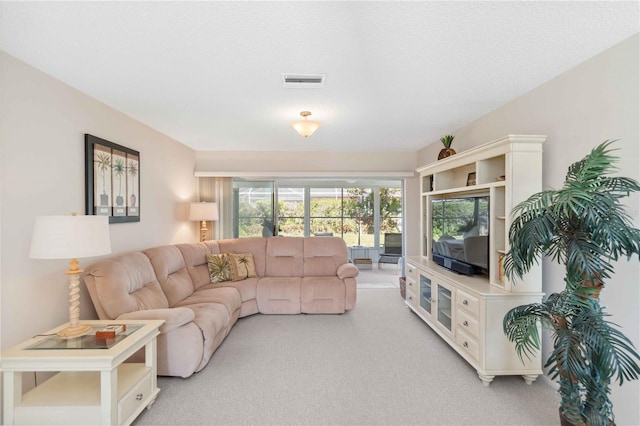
<point>351,217</point>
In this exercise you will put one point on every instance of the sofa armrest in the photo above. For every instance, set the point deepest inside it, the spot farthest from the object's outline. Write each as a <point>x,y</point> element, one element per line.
<point>173,317</point>
<point>348,270</point>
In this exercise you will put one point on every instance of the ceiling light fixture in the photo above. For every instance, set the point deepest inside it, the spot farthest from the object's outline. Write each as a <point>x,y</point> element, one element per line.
<point>305,127</point>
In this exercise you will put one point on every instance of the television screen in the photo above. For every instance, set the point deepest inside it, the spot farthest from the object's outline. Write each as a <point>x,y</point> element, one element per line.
<point>460,233</point>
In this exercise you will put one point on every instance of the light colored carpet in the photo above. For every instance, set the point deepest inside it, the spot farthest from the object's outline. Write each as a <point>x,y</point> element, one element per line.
<point>376,365</point>
<point>376,278</point>
<point>376,285</point>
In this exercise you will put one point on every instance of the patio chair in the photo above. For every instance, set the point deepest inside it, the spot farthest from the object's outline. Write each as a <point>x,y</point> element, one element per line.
<point>392,249</point>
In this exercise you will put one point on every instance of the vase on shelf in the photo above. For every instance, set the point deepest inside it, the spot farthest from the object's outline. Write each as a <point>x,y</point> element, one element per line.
<point>446,152</point>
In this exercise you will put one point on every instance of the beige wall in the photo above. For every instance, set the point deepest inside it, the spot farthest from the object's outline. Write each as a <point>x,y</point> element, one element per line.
<point>309,162</point>
<point>595,101</point>
<point>42,173</point>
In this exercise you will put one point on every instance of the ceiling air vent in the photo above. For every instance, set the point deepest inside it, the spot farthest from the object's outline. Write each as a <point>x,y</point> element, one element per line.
<point>303,81</point>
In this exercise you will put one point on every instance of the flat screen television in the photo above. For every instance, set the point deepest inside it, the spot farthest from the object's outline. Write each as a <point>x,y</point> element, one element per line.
<point>460,234</point>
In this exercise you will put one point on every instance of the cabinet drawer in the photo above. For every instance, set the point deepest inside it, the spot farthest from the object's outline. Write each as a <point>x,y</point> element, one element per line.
<point>467,344</point>
<point>412,271</point>
<point>412,285</point>
<point>468,303</point>
<point>467,323</point>
<point>412,299</point>
<point>133,399</point>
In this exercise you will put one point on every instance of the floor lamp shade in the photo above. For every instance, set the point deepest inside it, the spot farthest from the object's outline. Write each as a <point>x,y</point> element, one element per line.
<point>202,212</point>
<point>71,237</point>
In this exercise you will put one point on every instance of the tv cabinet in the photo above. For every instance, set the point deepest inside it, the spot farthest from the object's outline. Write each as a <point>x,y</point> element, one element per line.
<point>467,311</point>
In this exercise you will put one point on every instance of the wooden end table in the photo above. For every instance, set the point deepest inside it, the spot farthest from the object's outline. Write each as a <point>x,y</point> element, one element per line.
<point>94,384</point>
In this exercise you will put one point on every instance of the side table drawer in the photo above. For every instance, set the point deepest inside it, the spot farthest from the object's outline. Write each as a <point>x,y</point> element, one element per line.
<point>136,397</point>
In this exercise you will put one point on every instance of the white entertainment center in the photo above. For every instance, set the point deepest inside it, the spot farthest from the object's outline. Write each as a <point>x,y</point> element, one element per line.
<point>467,311</point>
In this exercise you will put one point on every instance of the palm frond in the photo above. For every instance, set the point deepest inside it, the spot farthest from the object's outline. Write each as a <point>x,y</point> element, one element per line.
<point>521,326</point>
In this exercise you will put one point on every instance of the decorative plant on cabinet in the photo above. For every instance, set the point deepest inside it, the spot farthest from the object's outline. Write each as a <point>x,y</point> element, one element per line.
<point>447,151</point>
<point>584,227</point>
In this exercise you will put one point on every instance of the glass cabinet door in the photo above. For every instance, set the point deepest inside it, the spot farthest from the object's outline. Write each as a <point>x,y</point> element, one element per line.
<point>425,293</point>
<point>444,307</point>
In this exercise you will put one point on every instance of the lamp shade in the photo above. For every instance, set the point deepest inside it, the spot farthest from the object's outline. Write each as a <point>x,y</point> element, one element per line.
<point>66,237</point>
<point>305,127</point>
<point>203,211</point>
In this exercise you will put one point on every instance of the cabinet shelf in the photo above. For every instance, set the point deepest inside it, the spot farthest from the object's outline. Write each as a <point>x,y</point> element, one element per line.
<point>446,312</point>
<point>461,190</point>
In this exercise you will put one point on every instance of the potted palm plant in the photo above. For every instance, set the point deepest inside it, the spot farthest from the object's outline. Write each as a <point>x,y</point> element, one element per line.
<point>447,151</point>
<point>584,227</point>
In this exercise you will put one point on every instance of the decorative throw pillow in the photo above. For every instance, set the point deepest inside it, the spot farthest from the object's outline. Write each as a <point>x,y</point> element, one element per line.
<point>219,269</point>
<point>242,266</point>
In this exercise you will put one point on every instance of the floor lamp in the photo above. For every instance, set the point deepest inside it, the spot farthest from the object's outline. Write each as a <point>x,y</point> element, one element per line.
<point>202,212</point>
<point>71,237</point>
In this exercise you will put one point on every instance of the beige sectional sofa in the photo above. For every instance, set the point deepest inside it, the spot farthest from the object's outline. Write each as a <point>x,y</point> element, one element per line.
<point>294,275</point>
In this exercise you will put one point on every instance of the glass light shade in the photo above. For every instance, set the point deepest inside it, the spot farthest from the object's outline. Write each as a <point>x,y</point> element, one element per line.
<point>203,211</point>
<point>66,237</point>
<point>305,127</point>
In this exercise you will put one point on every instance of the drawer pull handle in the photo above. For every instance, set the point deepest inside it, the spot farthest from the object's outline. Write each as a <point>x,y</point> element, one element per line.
<point>139,397</point>
<point>410,297</point>
<point>466,323</point>
<point>465,344</point>
<point>465,302</point>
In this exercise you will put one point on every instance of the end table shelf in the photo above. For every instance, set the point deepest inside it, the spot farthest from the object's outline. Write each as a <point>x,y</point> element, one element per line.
<point>94,385</point>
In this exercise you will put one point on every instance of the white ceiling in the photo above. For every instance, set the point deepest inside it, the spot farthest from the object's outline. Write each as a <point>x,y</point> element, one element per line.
<point>399,74</point>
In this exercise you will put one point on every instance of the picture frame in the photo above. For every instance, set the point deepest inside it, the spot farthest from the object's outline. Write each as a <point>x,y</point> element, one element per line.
<point>471,179</point>
<point>112,180</point>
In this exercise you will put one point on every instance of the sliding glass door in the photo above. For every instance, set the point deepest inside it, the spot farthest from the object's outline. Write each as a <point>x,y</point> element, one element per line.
<point>291,212</point>
<point>360,214</point>
<point>253,209</point>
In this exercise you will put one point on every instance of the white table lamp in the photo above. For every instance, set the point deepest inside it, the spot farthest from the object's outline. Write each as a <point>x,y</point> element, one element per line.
<point>202,212</point>
<point>71,237</point>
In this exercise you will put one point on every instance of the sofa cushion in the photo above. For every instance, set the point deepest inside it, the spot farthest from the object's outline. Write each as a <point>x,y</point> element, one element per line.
<point>326,295</point>
<point>278,295</point>
<point>212,320</point>
<point>219,267</point>
<point>124,284</point>
<point>285,257</point>
<point>323,256</point>
<point>172,274</point>
<point>247,288</point>
<point>253,245</point>
<point>228,297</point>
<point>173,317</point>
<point>195,260</point>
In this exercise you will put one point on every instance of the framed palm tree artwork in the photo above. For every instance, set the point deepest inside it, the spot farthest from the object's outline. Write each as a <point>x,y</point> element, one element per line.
<point>112,180</point>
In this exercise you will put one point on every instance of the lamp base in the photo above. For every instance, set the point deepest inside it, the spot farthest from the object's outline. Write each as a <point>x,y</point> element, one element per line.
<point>71,332</point>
